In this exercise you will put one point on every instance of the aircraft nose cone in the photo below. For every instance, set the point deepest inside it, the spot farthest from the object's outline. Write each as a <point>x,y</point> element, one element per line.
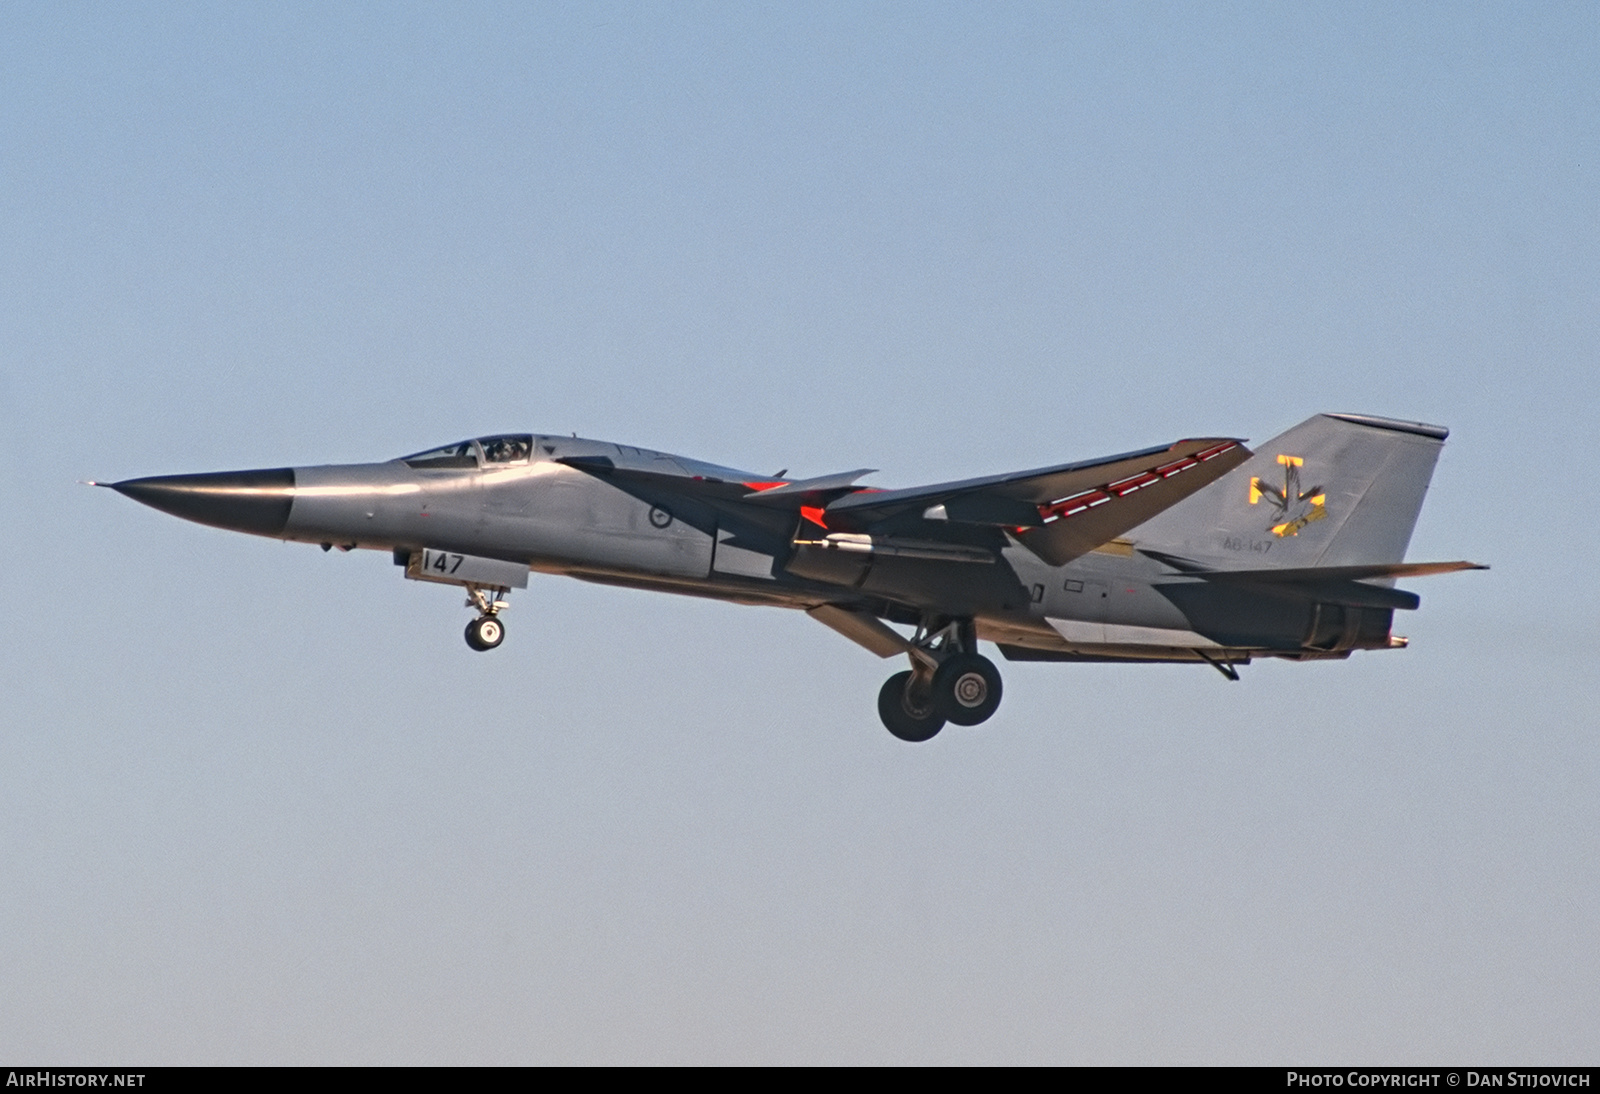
<point>241,501</point>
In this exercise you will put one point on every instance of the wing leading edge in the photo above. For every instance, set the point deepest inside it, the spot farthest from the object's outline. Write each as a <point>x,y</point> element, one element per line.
<point>1058,513</point>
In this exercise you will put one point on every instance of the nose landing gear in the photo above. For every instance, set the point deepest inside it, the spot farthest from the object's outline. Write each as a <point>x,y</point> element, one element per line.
<point>486,632</point>
<point>488,582</point>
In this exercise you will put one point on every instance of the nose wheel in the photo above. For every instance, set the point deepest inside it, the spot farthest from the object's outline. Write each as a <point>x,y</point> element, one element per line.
<point>485,632</point>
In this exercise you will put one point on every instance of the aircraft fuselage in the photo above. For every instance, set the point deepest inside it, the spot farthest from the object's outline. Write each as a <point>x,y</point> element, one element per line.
<point>998,559</point>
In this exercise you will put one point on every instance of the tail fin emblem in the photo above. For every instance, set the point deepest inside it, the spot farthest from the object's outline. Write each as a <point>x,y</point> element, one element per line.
<point>1293,507</point>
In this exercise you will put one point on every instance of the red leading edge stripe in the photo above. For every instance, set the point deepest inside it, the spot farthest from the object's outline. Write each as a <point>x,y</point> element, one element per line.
<point>1089,499</point>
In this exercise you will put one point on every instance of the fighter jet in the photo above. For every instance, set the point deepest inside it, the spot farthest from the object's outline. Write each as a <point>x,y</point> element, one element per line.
<point>1198,552</point>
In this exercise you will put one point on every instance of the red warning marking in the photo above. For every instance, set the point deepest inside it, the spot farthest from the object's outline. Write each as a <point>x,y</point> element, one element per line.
<point>1090,499</point>
<point>1129,485</point>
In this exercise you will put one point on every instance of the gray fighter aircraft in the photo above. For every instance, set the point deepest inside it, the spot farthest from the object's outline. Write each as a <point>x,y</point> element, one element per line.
<point>1197,552</point>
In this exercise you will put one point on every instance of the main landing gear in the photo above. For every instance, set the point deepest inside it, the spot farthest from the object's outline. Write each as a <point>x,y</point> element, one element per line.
<point>486,632</point>
<point>947,682</point>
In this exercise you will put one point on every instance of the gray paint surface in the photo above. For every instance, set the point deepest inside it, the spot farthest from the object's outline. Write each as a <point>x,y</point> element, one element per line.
<point>1349,489</point>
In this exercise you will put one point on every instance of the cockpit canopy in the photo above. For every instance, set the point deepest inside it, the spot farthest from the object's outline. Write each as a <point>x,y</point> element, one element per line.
<point>497,451</point>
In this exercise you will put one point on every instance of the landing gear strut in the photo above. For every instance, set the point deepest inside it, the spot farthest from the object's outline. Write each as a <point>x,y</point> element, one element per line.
<point>486,632</point>
<point>949,681</point>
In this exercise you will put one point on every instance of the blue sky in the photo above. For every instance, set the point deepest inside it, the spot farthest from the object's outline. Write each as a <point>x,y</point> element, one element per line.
<point>261,804</point>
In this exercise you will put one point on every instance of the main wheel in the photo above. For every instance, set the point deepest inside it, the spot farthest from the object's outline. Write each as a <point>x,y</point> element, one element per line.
<point>967,689</point>
<point>485,633</point>
<point>904,714</point>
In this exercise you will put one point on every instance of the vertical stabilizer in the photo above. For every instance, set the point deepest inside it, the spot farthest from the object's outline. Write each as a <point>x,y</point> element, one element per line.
<point>1336,490</point>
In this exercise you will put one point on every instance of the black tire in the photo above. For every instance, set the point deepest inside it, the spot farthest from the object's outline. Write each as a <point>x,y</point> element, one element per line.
<point>902,715</point>
<point>967,689</point>
<point>485,633</point>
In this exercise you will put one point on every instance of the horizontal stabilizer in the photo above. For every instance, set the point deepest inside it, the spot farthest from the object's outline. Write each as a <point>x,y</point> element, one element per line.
<point>1316,573</point>
<point>1326,584</point>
